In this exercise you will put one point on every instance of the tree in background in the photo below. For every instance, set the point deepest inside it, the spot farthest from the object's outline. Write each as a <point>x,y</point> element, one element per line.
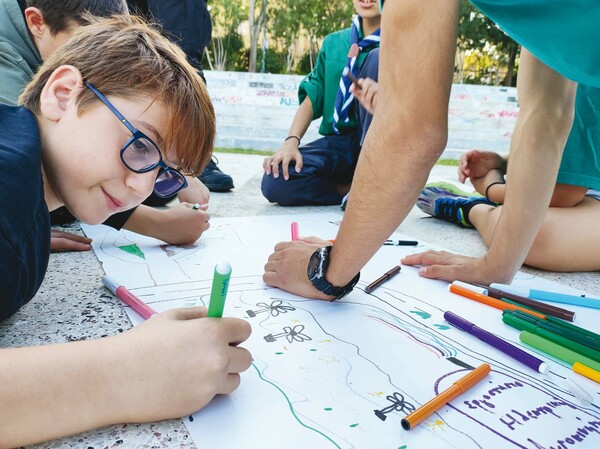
<point>486,49</point>
<point>227,45</point>
<point>485,54</point>
<point>290,20</point>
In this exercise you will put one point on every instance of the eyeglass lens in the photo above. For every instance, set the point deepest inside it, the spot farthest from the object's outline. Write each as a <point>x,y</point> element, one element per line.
<point>168,182</point>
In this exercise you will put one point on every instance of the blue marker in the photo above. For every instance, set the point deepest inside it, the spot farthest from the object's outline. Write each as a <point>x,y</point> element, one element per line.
<point>543,295</point>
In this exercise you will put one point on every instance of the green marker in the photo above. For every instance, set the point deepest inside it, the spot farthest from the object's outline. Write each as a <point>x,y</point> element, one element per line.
<point>570,326</point>
<point>218,292</point>
<point>557,351</point>
<point>553,336</point>
<point>568,332</point>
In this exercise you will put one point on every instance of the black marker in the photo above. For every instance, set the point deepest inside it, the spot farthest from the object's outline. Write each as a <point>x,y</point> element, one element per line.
<point>390,242</point>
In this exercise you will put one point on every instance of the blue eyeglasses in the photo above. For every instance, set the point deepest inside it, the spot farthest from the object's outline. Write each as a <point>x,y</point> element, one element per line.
<point>141,155</point>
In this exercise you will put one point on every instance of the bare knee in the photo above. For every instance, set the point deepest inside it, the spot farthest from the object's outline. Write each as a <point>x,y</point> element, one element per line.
<point>566,195</point>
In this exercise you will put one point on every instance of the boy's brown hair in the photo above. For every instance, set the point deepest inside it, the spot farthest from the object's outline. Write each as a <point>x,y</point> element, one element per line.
<point>124,57</point>
<point>60,14</point>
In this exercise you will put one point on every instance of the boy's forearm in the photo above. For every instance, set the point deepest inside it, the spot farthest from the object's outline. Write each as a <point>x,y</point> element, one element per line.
<point>302,119</point>
<point>145,220</point>
<point>56,390</point>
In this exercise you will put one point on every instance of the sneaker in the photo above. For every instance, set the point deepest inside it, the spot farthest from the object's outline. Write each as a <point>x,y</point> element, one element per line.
<point>213,178</point>
<point>443,203</point>
<point>453,190</point>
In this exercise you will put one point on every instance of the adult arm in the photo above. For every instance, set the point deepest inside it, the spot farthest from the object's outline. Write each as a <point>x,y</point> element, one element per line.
<point>405,139</point>
<point>545,119</point>
<point>168,367</point>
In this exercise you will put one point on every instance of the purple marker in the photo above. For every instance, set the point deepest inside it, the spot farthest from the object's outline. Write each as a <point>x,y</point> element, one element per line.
<point>504,346</point>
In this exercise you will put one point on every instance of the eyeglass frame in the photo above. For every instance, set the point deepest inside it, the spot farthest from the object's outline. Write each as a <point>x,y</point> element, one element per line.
<point>136,135</point>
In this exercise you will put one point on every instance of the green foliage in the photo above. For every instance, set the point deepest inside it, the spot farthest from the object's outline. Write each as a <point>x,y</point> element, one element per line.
<point>489,50</point>
<point>303,67</point>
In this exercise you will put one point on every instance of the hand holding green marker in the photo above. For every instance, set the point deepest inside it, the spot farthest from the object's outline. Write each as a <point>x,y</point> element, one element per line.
<point>218,292</point>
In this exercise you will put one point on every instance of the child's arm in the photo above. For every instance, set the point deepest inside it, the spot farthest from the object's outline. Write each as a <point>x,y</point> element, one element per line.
<point>170,366</point>
<point>195,192</point>
<point>289,150</point>
<point>365,91</point>
<point>177,225</point>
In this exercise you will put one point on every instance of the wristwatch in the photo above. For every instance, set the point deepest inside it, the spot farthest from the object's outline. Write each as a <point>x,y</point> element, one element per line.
<point>317,267</point>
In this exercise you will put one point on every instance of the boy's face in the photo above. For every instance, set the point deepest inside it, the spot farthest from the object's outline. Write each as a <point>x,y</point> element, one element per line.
<point>81,154</point>
<point>367,9</point>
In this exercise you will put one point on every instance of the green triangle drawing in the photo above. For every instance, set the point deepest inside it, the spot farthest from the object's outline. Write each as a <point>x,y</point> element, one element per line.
<point>132,249</point>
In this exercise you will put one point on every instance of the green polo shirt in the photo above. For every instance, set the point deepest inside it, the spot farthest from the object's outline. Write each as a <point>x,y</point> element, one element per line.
<point>322,84</point>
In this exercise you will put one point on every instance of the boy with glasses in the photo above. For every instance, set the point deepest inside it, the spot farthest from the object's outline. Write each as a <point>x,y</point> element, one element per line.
<point>30,31</point>
<point>114,114</point>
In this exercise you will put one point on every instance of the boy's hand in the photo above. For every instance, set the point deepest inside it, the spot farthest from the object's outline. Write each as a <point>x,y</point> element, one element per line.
<point>182,224</point>
<point>173,365</point>
<point>477,164</point>
<point>195,192</point>
<point>287,153</point>
<point>61,241</point>
<point>366,93</point>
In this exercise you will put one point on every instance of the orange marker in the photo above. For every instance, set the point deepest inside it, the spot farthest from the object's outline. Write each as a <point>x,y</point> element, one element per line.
<point>457,388</point>
<point>488,300</point>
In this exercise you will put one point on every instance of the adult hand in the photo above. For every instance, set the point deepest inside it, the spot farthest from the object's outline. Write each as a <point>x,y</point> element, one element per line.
<point>452,267</point>
<point>287,153</point>
<point>174,364</point>
<point>61,241</point>
<point>286,267</point>
<point>366,93</point>
<point>195,192</point>
<point>476,164</point>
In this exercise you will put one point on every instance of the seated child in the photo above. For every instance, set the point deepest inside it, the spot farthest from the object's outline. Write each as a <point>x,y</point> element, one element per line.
<point>569,239</point>
<point>31,31</point>
<point>322,170</point>
<point>112,115</point>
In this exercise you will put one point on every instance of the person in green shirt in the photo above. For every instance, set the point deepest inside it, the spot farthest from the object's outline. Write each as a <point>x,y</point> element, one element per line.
<point>322,170</point>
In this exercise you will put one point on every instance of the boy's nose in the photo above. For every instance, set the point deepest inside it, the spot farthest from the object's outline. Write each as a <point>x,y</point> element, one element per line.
<point>142,184</point>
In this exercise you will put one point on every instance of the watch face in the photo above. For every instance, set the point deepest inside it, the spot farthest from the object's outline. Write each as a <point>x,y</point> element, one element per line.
<point>315,265</point>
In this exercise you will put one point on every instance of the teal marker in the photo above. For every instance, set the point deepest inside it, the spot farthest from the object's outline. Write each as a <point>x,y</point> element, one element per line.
<point>218,292</point>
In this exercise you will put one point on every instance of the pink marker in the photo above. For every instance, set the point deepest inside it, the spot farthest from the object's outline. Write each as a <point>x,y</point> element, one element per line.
<point>295,231</point>
<point>129,298</point>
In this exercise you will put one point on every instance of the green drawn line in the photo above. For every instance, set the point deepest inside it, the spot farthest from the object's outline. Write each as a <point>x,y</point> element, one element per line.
<point>353,425</point>
<point>132,249</point>
<point>292,408</point>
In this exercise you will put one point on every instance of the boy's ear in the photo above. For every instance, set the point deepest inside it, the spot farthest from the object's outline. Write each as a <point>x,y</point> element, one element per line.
<point>35,22</point>
<point>61,89</point>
